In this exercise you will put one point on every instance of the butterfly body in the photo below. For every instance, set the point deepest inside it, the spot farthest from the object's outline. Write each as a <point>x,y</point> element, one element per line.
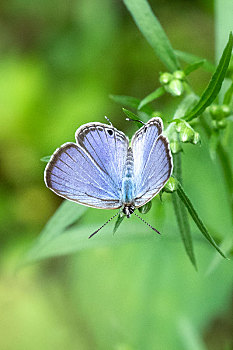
<point>128,183</point>
<point>102,171</point>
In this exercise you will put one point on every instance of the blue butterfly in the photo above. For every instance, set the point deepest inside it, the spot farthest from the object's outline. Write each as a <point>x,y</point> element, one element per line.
<point>102,171</point>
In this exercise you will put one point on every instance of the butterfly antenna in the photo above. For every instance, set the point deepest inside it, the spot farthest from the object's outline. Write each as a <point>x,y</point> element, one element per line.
<point>147,224</point>
<point>103,225</point>
<point>134,120</point>
<point>108,120</point>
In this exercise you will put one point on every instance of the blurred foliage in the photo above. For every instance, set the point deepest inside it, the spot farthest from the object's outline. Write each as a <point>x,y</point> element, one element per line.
<point>59,62</point>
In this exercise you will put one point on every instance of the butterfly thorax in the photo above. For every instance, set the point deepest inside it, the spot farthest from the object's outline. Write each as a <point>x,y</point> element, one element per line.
<point>128,185</point>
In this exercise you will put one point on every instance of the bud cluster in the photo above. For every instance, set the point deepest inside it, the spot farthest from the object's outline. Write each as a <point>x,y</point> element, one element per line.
<point>187,133</point>
<point>179,132</point>
<point>173,83</point>
<point>219,113</point>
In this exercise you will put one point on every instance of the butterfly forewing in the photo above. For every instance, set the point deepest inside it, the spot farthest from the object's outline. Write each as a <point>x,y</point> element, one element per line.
<point>72,174</point>
<point>142,140</point>
<point>107,147</point>
<point>152,161</point>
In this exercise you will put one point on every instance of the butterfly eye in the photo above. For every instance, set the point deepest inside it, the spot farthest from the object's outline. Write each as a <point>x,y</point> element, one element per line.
<point>110,132</point>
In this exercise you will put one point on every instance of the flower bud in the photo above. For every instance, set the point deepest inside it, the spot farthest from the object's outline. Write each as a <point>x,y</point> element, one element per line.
<point>173,137</point>
<point>171,185</point>
<point>179,74</point>
<point>175,87</point>
<point>175,146</point>
<point>226,110</point>
<point>179,125</point>
<point>214,111</point>
<point>221,124</point>
<point>187,133</point>
<point>165,78</point>
<point>196,138</point>
<point>145,208</point>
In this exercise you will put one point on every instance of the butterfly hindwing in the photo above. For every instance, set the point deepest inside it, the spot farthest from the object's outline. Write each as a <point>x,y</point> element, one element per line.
<point>72,174</point>
<point>152,161</point>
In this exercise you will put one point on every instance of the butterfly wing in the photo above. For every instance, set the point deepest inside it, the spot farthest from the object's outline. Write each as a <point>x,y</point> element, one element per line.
<point>77,175</point>
<point>152,161</point>
<point>107,146</point>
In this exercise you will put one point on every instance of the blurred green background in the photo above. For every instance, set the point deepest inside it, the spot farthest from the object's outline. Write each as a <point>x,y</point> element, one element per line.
<point>59,62</point>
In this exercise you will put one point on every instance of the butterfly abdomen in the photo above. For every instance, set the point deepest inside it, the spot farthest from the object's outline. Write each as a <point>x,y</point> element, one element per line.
<point>128,184</point>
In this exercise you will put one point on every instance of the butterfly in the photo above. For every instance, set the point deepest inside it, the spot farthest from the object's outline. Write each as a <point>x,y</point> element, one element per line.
<point>102,170</point>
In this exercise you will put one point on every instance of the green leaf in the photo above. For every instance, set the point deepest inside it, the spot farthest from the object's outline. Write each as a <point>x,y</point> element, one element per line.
<point>194,66</point>
<point>191,59</point>
<point>228,96</point>
<point>183,196</point>
<point>132,116</point>
<point>75,239</point>
<point>183,224</point>
<point>215,83</point>
<point>152,30</point>
<point>181,213</point>
<point>45,159</point>
<point>119,220</point>
<point>65,216</point>
<point>151,97</point>
<point>131,102</point>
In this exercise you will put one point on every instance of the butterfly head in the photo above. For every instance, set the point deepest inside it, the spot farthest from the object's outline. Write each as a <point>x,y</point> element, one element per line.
<point>128,210</point>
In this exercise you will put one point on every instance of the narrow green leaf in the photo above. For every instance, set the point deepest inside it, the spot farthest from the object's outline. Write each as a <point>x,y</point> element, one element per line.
<point>182,221</point>
<point>45,159</point>
<point>190,58</point>
<point>132,116</point>
<point>181,213</point>
<point>151,97</point>
<point>194,66</point>
<point>119,220</point>
<point>75,239</point>
<point>183,196</point>
<point>131,102</point>
<point>228,95</point>
<point>215,83</point>
<point>66,215</point>
<point>152,30</point>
